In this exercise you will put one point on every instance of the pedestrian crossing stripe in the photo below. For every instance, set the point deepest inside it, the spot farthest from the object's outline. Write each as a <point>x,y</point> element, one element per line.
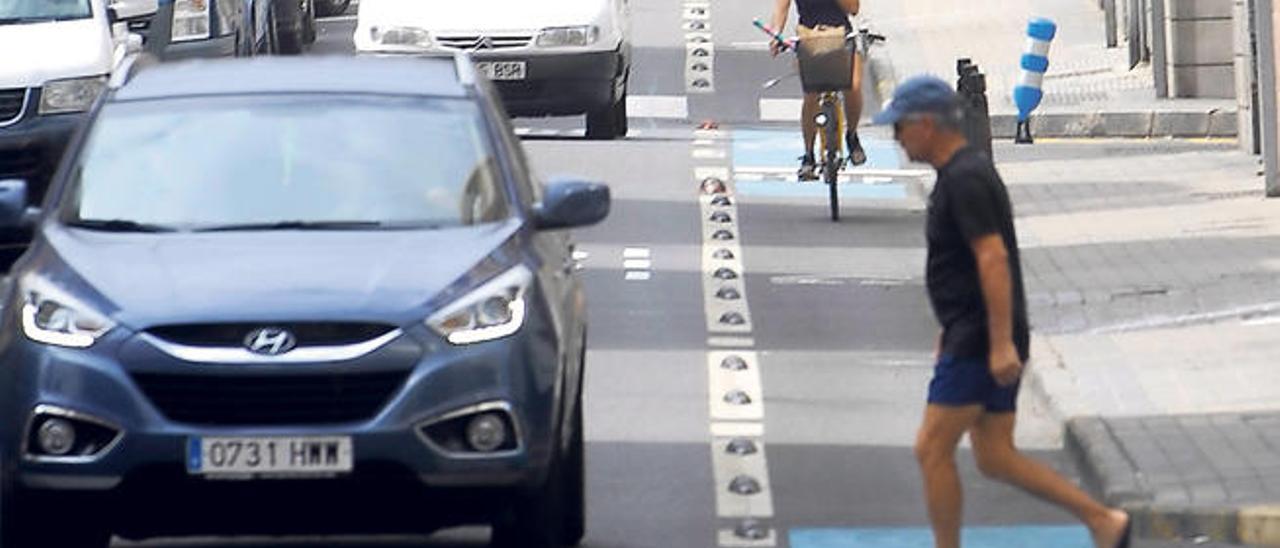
<point>1019,536</point>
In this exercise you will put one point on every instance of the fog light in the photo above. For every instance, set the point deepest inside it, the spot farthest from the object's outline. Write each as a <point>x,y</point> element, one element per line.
<point>57,437</point>
<point>486,433</point>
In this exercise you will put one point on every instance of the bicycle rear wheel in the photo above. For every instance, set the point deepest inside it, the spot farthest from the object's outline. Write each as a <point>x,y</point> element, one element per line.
<point>831,152</point>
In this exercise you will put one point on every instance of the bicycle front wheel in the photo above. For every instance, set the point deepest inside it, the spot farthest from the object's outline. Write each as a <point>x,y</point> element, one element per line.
<point>831,159</point>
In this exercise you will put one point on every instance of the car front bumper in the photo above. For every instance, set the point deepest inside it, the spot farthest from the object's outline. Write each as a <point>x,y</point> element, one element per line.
<point>563,84</point>
<point>146,466</point>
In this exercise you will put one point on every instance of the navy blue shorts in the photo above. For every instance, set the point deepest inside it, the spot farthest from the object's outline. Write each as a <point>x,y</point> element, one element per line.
<point>968,381</point>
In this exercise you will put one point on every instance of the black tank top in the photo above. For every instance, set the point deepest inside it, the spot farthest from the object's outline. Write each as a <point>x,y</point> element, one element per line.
<point>821,12</point>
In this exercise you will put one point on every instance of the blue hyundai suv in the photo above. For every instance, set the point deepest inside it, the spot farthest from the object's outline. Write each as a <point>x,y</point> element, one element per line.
<point>224,325</point>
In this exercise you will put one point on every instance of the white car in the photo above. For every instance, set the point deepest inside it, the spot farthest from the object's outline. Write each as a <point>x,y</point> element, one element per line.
<point>59,55</point>
<point>552,58</point>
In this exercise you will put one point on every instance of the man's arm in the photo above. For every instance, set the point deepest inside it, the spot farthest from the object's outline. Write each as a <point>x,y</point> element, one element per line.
<point>997,291</point>
<point>997,287</point>
<point>851,6</point>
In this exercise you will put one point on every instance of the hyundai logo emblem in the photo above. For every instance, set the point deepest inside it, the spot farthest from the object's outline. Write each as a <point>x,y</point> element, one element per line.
<point>270,341</point>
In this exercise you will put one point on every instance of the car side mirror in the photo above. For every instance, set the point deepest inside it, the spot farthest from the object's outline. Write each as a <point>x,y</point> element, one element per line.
<point>113,16</point>
<point>14,213</point>
<point>570,203</point>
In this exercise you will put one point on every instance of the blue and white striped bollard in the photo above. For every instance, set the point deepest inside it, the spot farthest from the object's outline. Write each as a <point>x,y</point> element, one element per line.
<point>1035,62</point>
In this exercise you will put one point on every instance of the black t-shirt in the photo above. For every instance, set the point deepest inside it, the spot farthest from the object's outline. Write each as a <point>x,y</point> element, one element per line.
<point>821,12</point>
<point>968,201</point>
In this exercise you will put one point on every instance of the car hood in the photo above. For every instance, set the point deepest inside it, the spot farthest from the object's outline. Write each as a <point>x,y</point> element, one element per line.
<point>55,50</point>
<point>481,15</point>
<point>385,276</point>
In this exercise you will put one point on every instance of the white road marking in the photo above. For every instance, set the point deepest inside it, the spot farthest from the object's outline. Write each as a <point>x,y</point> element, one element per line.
<point>737,429</point>
<point>1261,321</point>
<point>735,391</point>
<point>636,253</point>
<point>728,466</point>
<point>729,540</point>
<point>637,263</point>
<point>780,110</point>
<point>762,45</point>
<point>725,382</point>
<point>731,342</point>
<point>671,107</point>
<point>699,75</point>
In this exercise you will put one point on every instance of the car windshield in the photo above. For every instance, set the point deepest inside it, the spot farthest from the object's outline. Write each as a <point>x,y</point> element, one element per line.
<point>33,11</point>
<point>286,162</point>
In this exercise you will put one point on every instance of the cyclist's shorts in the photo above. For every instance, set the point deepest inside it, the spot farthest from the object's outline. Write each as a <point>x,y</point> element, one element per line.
<point>968,381</point>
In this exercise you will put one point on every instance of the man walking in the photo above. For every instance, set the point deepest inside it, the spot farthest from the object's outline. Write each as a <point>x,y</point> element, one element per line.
<point>974,281</point>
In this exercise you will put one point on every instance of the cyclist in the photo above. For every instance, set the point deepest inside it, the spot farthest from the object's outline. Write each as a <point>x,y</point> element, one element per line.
<point>816,16</point>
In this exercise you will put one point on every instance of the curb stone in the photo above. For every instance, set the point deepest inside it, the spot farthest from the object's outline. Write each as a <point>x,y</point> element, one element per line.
<point>1107,469</point>
<point>1212,123</point>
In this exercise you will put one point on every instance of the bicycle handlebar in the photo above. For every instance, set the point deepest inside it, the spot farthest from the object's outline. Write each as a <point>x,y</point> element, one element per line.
<point>790,43</point>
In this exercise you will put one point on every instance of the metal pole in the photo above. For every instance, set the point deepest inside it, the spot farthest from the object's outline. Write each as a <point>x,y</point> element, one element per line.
<point>1109,13</point>
<point>1159,49</point>
<point>1267,91</point>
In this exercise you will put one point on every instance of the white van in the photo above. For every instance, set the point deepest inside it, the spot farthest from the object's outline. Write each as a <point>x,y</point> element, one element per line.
<point>556,57</point>
<point>58,56</point>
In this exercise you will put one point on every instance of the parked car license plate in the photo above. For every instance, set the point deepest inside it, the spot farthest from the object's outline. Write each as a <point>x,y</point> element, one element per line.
<point>269,455</point>
<point>502,70</point>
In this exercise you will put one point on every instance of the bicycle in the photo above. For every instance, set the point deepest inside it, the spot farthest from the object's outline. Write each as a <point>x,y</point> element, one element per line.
<point>826,68</point>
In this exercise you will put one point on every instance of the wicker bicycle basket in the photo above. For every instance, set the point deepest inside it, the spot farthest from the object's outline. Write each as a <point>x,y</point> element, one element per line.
<point>826,62</point>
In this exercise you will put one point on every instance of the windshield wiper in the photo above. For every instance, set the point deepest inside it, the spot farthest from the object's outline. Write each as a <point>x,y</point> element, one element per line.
<point>118,225</point>
<point>295,225</point>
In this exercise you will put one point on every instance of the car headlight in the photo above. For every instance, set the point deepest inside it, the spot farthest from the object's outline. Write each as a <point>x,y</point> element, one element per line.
<point>494,310</point>
<point>51,316</point>
<point>190,20</point>
<point>409,37</point>
<point>73,95</point>
<point>568,36</point>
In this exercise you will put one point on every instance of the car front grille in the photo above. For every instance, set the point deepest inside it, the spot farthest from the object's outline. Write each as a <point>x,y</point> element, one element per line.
<point>307,334</point>
<point>240,400</point>
<point>520,89</point>
<point>480,42</point>
<point>21,163</point>
<point>11,103</point>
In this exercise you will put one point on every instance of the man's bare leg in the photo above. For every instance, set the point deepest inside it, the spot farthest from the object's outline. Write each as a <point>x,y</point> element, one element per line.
<point>936,451</point>
<point>993,447</point>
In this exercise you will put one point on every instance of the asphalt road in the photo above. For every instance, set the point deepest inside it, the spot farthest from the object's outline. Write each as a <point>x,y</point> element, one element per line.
<point>838,332</point>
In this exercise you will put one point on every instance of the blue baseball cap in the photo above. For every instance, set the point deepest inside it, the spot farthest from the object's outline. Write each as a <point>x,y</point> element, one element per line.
<point>918,94</point>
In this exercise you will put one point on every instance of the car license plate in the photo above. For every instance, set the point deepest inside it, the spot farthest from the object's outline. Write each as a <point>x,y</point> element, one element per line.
<point>269,455</point>
<point>502,70</point>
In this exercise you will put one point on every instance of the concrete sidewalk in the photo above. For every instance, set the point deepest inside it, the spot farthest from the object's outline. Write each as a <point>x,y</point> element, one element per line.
<point>1089,89</point>
<point>1153,279</point>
